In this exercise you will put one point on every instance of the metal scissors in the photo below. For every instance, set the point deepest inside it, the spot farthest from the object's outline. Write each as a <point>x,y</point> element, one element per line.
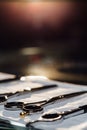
<point>4,97</point>
<point>39,106</point>
<point>34,107</point>
<point>60,116</point>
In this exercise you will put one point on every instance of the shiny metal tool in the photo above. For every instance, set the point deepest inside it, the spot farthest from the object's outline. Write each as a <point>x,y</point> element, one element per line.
<point>34,107</point>
<point>60,116</point>
<point>5,96</point>
<point>30,108</point>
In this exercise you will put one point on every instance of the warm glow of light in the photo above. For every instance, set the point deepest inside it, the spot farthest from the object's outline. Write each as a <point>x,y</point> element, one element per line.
<point>31,51</point>
<point>38,13</point>
<point>27,78</point>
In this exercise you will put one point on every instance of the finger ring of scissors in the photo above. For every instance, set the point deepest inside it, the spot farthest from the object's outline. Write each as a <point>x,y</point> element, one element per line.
<point>13,106</point>
<point>29,109</point>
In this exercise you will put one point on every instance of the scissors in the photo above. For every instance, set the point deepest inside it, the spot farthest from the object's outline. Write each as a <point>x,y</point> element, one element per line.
<point>4,97</point>
<point>60,116</point>
<point>34,107</point>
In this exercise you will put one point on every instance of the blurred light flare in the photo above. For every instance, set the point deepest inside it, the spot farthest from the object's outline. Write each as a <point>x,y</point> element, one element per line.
<point>31,51</point>
<point>29,78</point>
<point>38,13</point>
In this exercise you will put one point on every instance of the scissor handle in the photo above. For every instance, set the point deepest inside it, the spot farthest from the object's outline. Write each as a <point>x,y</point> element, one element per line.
<point>51,117</point>
<point>31,108</point>
<point>3,98</point>
<point>47,118</point>
<point>13,106</point>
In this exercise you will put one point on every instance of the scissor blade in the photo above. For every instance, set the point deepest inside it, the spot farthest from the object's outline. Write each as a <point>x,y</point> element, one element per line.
<point>18,93</point>
<point>65,96</point>
<point>74,112</point>
<point>29,90</point>
<point>58,98</point>
<point>43,87</point>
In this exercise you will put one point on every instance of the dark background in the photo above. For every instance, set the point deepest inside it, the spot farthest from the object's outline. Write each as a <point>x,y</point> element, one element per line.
<point>15,32</point>
<point>65,45</point>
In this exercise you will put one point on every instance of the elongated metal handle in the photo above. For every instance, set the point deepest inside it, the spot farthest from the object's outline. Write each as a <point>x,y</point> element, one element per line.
<point>74,94</point>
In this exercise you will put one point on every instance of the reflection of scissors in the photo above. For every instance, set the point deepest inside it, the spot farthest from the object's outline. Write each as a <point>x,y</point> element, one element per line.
<point>52,117</point>
<point>38,106</point>
<point>5,96</point>
<point>6,125</point>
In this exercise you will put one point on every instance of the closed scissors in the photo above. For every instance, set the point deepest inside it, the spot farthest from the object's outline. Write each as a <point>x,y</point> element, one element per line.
<point>59,116</point>
<point>4,97</point>
<point>30,108</point>
<point>39,106</point>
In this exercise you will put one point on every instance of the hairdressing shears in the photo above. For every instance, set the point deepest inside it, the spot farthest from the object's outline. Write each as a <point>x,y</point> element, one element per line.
<point>38,106</point>
<point>59,116</point>
<point>5,96</point>
<point>30,108</point>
